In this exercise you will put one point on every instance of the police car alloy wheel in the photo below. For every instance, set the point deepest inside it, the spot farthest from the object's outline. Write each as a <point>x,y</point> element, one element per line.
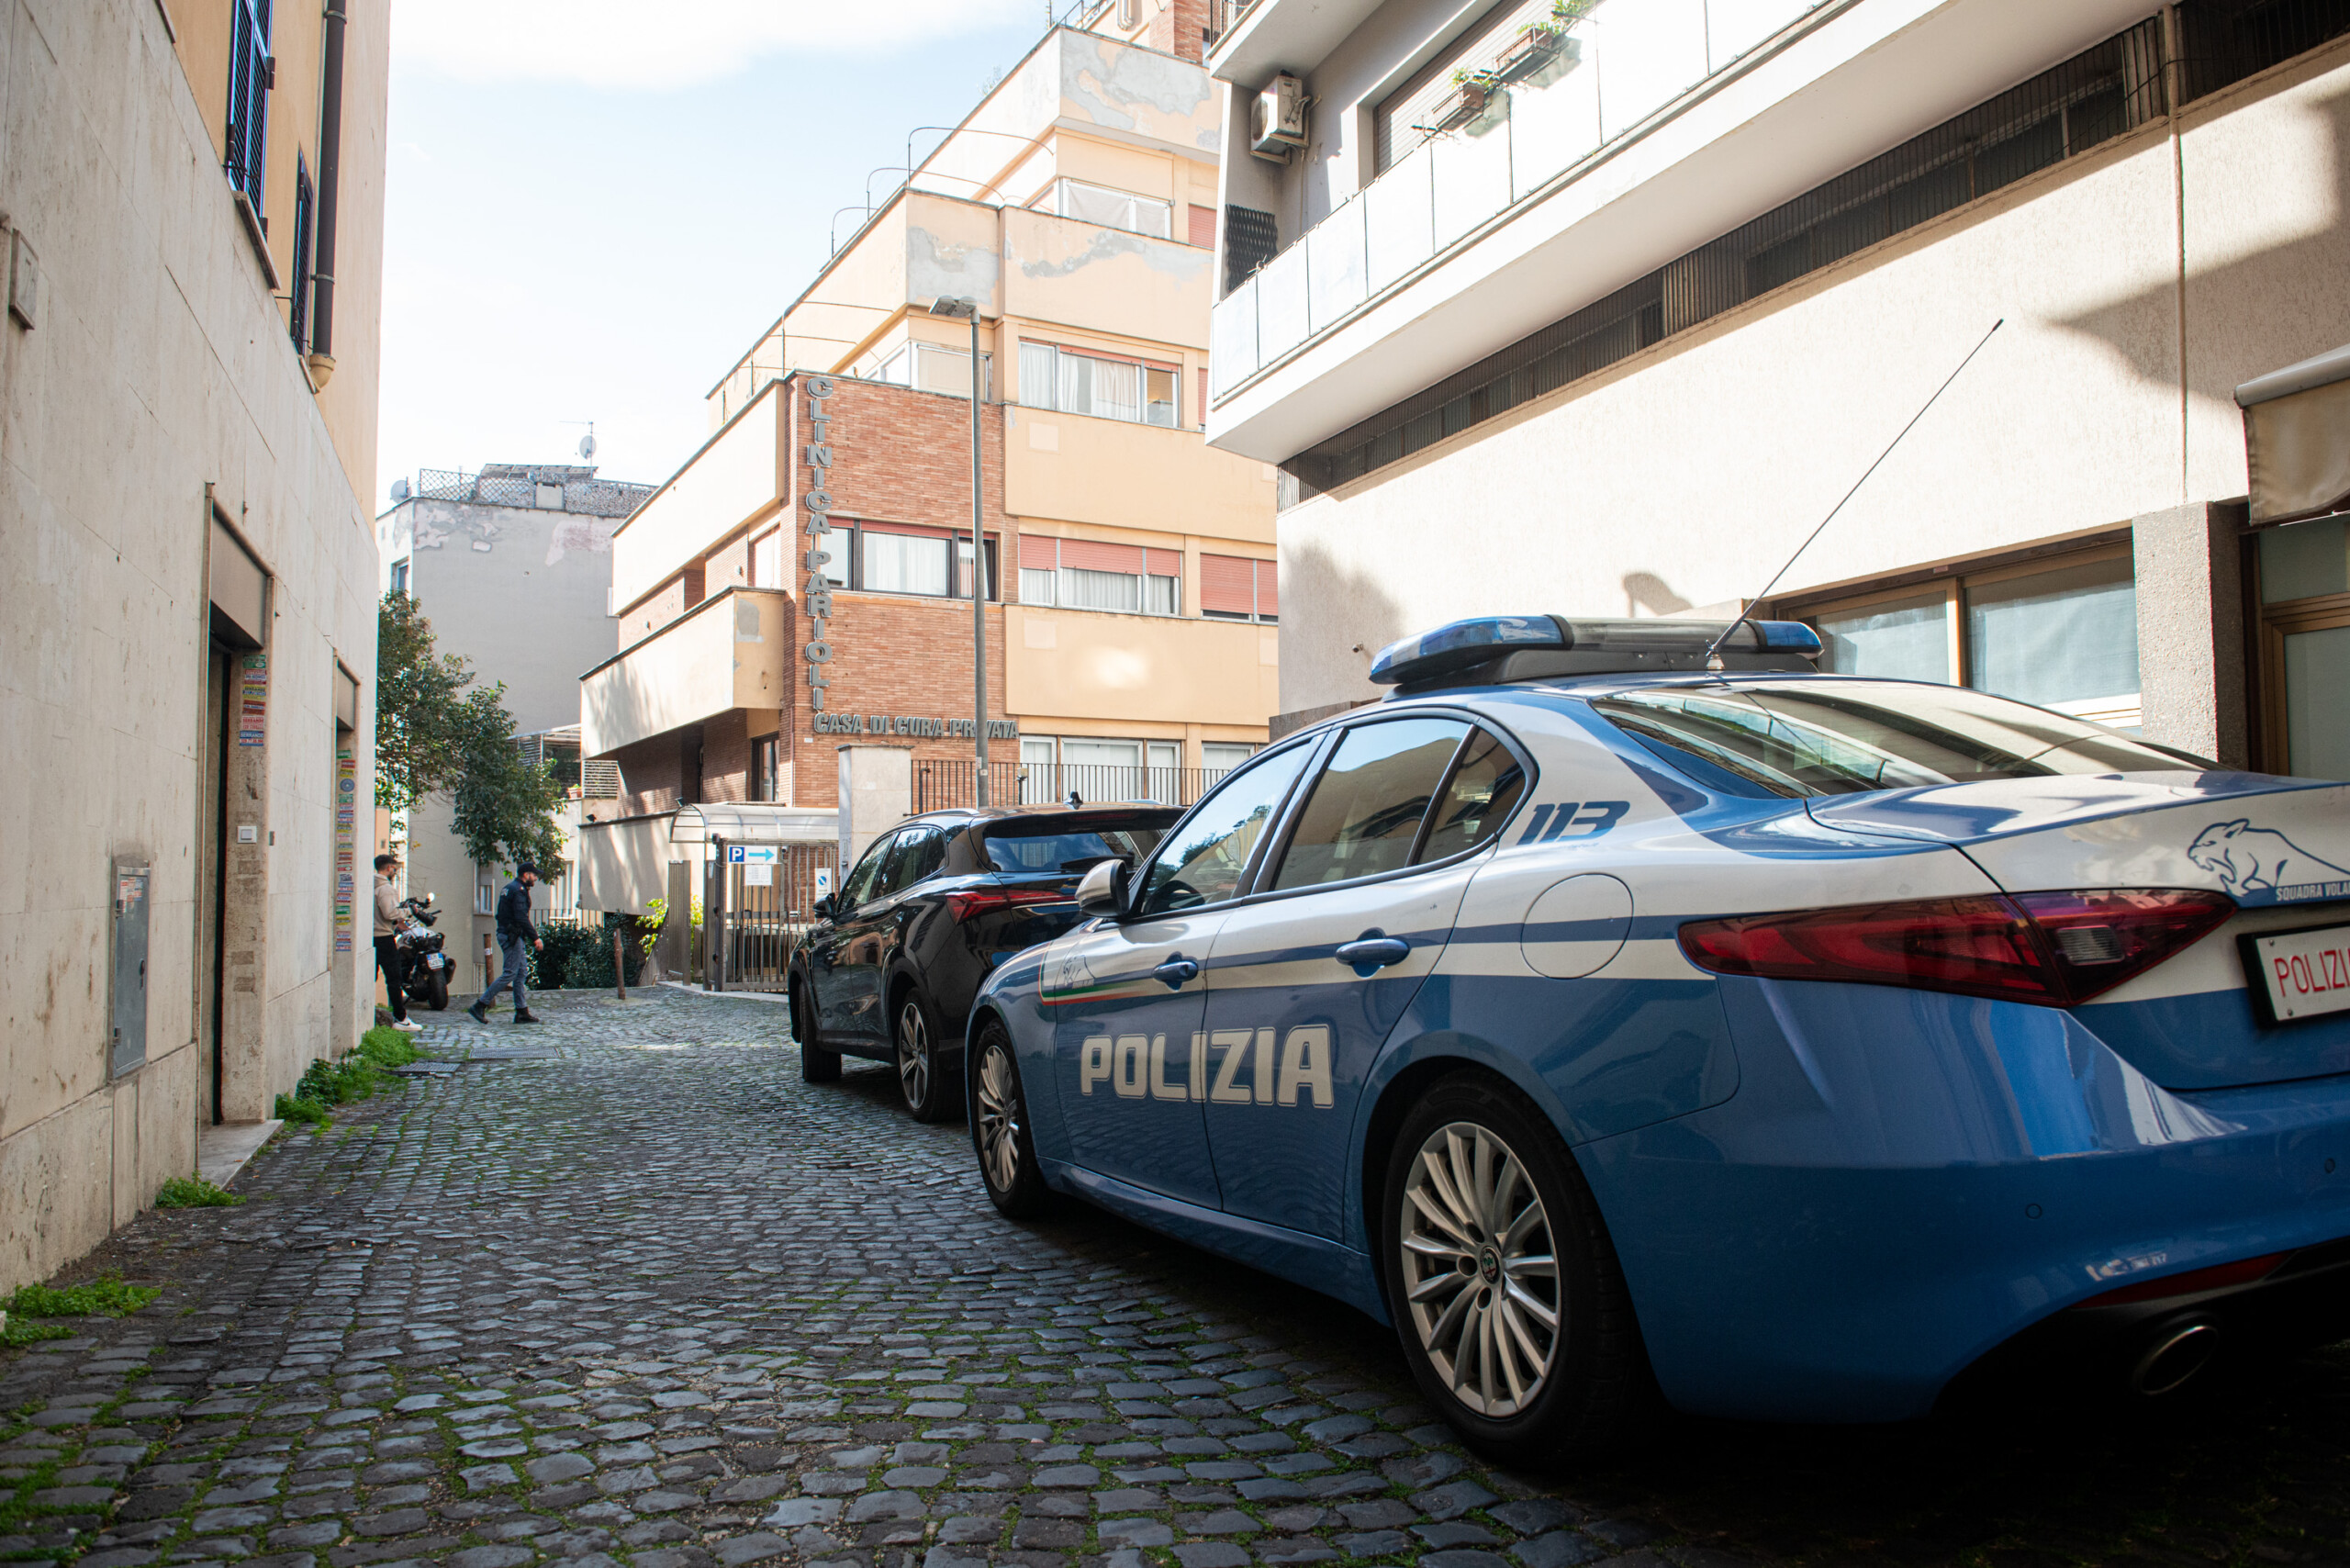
<point>816,1064</point>
<point>1000,1130</point>
<point>1505,1291</point>
<point>917,1060</point>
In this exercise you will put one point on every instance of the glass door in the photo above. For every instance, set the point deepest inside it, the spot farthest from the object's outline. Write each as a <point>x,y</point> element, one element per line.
<point>2304,570</point>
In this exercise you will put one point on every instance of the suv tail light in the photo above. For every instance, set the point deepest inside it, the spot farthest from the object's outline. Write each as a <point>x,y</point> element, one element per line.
<point>971,903</point>
<point>2056,949</point>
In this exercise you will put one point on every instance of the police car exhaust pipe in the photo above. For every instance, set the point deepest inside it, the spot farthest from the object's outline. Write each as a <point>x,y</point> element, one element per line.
<point>2173,1354</point>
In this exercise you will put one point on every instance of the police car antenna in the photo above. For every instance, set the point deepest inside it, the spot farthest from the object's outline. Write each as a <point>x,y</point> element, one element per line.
<point>1714,649</point>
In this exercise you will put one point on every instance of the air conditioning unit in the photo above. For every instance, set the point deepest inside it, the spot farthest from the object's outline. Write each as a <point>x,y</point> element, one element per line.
<point>1278,123</point>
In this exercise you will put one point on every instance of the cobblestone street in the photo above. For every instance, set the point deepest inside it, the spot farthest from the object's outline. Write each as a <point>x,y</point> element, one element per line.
<point>622,1289</point>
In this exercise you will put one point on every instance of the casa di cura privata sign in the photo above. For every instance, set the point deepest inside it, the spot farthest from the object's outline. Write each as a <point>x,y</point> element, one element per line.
<point>913,724</point>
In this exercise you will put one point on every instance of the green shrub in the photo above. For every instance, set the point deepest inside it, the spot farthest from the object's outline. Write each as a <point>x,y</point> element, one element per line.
<point>580,957</point>
<point>305,1112</point>
<point>194,1193</point>
<point>387,1048</point>
<point>105,1296</point>
<point>27,1331</point>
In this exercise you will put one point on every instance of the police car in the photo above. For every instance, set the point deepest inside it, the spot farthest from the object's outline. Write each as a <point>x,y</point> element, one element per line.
<point>1616,1021</point>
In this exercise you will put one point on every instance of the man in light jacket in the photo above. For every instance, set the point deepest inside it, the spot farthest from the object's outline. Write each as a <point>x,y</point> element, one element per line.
<point>390,961</point>
<point>517,938</point>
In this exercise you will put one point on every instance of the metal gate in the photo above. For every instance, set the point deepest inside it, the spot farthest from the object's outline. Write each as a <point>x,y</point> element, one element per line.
<point>759,900</point>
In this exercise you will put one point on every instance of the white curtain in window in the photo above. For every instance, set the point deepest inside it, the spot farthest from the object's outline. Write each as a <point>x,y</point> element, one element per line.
<point>1037,375</point>
<point>1082,589</point>
<point>900,562</point>
<point>1117,209</point>
<point>2066,637</point>
<point>1035,586</point>
<point>1160,593</point>
<point>1907,640</point>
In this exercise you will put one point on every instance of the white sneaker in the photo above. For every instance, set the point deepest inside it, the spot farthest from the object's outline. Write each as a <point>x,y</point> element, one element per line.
<point>408,1025</point>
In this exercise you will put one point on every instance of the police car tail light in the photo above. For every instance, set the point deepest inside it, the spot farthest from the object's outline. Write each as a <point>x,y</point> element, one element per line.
<point>2056,949</point>
<point>971,903</point>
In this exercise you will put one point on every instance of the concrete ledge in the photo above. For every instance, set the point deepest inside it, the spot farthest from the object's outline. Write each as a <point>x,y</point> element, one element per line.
<point>694,987</point>
<point>221,1151</point>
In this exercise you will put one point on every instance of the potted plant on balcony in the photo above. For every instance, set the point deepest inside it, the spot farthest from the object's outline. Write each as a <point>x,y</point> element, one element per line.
<point>1471,91</point>
<point>1526,52</point>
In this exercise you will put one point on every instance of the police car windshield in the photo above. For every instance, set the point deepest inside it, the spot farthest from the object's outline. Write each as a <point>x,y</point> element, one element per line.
<point>1803,738</point>
<point>1020,847</point>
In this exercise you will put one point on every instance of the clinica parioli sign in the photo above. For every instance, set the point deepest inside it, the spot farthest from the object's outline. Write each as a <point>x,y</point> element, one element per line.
<point>818,601</point>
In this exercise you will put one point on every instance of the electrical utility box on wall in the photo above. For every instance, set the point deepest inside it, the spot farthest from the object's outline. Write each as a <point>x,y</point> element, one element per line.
<point>1278,122</point>
<point>128,1048</point>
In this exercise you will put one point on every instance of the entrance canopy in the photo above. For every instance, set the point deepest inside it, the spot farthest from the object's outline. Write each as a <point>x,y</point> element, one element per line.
<point>754,821</point>
<point>2296,438</point>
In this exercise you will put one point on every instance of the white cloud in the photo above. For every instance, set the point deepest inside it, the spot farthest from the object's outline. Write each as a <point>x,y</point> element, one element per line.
<point>665,45</point>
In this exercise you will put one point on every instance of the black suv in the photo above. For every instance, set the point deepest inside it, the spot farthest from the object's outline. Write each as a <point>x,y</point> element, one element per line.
<point>934,904</point>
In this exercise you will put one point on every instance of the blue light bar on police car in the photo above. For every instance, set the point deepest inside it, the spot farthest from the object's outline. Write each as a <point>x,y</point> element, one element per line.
<point>1628,645</point>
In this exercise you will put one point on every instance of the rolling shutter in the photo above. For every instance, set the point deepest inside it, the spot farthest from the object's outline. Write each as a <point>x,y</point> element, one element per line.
<point>1202,232</point>
<point>1166,563</point>
<point>1227,585</point>
<point>1269,598</point>
<point>1092,555</point>
<point>1394,122</point>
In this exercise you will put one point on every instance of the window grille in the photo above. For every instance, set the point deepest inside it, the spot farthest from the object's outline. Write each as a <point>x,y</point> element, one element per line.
<point>1251,240</point>
<point>251,69</point>
<point>305,199</point>
<point>2106,90</point>
<point>600,780</point>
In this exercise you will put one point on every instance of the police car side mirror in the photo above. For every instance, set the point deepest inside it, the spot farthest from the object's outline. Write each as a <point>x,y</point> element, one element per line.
<point>1103,890</point>
<point>824,907</point>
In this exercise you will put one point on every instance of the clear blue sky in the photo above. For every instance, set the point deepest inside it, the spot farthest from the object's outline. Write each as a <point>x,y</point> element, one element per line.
<point>587,221</point>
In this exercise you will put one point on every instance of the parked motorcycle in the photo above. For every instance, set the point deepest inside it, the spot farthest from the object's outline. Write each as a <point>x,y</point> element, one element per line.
<point>428,965</point>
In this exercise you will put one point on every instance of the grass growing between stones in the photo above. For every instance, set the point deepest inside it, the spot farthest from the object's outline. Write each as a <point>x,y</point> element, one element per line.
<point>194,1193</point>
<point>325,1084</point>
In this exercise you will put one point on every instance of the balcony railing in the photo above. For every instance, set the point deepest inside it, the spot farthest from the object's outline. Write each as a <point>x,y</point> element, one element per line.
<point>946,783</point>
<point>1571,98</point>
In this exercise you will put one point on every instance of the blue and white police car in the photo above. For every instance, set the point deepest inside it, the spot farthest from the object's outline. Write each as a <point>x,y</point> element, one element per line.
<point>1790,1044</point>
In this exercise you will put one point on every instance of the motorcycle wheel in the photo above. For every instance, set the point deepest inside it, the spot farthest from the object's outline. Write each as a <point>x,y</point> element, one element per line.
<point>437,995</point>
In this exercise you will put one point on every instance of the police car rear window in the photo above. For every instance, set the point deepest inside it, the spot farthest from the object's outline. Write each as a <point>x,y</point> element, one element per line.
<point>1019,847</point>
<point>1838,737</point>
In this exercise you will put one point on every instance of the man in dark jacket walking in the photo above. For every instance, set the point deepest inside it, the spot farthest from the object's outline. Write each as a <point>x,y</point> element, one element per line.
<point>517,938</point>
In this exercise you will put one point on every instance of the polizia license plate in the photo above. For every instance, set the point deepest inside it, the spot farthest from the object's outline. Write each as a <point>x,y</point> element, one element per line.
<point>2298,974</point>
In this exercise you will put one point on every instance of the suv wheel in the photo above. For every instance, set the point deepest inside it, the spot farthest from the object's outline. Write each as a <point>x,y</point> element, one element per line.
<point>919,1078</point>
<point>1509,1301</point>
<point>1000,1130</point>
<point>816,1064</point>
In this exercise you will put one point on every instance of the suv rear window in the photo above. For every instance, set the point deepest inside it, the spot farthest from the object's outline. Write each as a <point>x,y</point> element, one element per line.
<point>1840,737</point>
<point>1020,847</point>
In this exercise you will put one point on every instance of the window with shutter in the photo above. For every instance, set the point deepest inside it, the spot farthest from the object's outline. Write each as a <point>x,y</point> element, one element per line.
<point>1202,232</point>
<point>1405,119</point>
<point>1227,586</point>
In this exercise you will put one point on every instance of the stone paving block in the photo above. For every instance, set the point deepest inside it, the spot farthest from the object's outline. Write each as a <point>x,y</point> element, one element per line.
<point>1452,1499</point>
<point>1559,1548</point>
<point>1211,1554</point>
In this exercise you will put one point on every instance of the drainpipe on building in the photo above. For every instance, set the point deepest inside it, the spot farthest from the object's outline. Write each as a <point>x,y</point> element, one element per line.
<point>978,576</point>
<point>321,345</point>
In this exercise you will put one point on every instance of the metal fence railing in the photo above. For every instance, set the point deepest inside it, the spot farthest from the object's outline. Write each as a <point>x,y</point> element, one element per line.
<point>946,783</point>
<point>510,485</point>
<point>761,910</point>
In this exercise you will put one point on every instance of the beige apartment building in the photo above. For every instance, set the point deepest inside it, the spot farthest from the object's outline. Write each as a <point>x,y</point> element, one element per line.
<point>803,582</point>
<point>193,233</point>
<point>1627,295</point>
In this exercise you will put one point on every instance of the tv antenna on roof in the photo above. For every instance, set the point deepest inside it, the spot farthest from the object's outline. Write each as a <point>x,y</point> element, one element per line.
<point>1714,649</point>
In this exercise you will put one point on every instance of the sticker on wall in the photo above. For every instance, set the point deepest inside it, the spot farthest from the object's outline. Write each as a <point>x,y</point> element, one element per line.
<point>252,699</point>
<point>346,847</point>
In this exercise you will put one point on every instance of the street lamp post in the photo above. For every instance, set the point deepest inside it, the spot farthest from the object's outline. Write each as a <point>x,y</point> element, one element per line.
<point>969,310</point>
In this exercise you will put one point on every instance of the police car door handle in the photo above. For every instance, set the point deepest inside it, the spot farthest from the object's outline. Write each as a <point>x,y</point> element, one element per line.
<point>1368,955</point>
<point>1177,972</point>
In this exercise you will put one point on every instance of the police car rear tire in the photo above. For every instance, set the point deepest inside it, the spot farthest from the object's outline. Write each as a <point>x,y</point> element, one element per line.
<point>1506,1291</point>
<point>817,1065</point>
<point>1000,1133</point>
